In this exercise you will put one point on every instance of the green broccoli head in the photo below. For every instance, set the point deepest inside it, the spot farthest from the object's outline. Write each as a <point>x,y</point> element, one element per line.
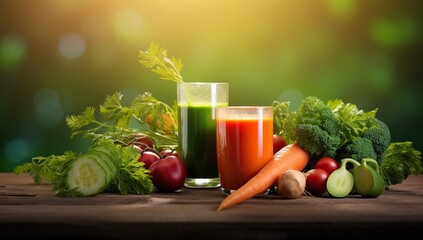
<point>316,140</point>
<point>380,137</point>
<point>314,127</point>
<point>373,142</point>
<point>357,149</point>
<point>334,129</point>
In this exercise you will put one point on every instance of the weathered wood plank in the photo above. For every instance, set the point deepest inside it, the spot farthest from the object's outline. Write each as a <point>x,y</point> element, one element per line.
<point>28,209</point>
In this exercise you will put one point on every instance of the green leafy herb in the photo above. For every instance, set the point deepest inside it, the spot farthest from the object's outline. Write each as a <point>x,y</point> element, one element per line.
<point>280,111</point>
<point>354,121</point>
<point>132,176</point>
<point>153,117</point>
<point>156,59</point>
<point>109,129</point>
<point>45,169</point>
<point>400,161</point>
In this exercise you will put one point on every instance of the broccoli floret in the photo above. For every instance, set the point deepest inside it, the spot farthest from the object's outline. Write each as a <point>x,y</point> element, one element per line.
<point>373,143</point>
<point>357,149</point>
<point>314,127</point>
<point>380,137</point>
<point>316,140</point>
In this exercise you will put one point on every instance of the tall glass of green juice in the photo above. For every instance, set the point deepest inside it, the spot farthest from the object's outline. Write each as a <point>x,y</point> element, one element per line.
<point>197,102</point>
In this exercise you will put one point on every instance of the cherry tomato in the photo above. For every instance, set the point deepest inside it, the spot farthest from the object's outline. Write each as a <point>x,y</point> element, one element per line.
<point>278,143</point>
<point>316,181</point>
<point>328,164</point>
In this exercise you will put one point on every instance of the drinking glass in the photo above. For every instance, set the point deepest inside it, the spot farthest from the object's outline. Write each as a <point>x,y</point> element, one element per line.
<point>244,143</point>
<point>197,102</point>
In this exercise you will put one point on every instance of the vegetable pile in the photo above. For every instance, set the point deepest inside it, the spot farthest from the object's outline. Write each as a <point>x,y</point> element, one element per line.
<point>132,149</point>
<point>121,138</point>
<point>341,130</point>
<point>334,130</point>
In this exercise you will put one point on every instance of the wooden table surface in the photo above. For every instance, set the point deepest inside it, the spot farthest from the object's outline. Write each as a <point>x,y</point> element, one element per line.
<point>32,211</point>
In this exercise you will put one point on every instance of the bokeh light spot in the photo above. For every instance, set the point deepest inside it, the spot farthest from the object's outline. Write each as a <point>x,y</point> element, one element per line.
<point>393,32</point>
<point>72,46</point>
<point>293,96</point>
<point>128,26</point>
<point>48,109</point>
<point>12,51</point>
<point>17,150</point>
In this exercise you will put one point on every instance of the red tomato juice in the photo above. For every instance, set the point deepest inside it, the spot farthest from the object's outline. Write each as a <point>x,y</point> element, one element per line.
<point>244,146</point>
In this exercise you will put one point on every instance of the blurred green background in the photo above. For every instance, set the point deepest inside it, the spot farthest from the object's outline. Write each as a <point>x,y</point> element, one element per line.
<point>58,57</point>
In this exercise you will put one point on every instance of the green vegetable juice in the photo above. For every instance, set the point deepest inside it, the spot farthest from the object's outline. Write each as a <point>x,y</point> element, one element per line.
<point>197,140</point>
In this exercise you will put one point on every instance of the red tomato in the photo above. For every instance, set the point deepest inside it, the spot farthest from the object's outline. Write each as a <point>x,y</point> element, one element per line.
<point>328,164</point>
<point>316,181</point>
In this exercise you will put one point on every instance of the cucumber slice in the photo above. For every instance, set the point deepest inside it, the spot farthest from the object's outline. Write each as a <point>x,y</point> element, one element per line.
<point>106,164</point>
<point>87,176</point>
<point>108,156</point>
<point>89,173</point>
<point>340,182</point>
<point>112,155</point>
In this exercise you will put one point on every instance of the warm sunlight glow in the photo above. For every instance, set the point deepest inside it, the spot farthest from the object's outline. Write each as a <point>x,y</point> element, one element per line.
<point>72,46</point>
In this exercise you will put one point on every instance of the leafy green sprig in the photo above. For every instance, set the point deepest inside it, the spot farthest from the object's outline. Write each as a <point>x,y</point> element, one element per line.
<point>132,177</point>
<point>354,121</point>
<point>400,161</point>
<point>115,120</point>
<point>156,59</point>
<point>45,169</point>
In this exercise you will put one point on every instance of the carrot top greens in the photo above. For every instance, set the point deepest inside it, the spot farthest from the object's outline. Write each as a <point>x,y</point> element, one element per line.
<point>145,114</point>
<point>155,58</point>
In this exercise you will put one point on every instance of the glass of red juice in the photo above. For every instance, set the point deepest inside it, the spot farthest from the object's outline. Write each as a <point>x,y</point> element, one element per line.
<point>244,143</point>
<point>197,102</point>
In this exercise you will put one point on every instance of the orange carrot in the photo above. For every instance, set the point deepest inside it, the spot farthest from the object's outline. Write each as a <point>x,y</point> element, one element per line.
<point>291,156</point>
